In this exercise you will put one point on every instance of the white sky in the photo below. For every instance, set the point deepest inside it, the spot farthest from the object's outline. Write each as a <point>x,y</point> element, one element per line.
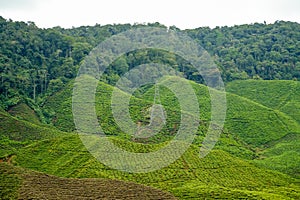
<point>181,13</point>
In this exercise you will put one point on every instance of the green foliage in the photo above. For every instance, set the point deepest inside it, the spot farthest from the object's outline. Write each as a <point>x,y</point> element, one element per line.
<point>24,112</point>
<point>248,124</point>
<point>279,95</point>
<point>18,183</point>
<point>258,51</point>
<point>10,182</point>
<point>58,109</point>
<point>282,153</point>
<point>195,191</point>
<point>249,127</point>
<point>36,62</point>
<point>219,174</point>
<point>15,133</point>
<point>260,137</point>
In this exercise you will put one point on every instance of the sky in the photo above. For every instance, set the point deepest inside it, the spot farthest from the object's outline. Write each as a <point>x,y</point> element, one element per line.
<point>184,14</point>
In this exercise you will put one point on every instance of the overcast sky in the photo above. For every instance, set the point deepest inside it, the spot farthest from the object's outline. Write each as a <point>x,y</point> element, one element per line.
<point>181,13</point>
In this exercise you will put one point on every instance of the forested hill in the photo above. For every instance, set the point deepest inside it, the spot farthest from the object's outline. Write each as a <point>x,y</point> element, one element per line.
<point>36,62</point>
<point>256,51</point>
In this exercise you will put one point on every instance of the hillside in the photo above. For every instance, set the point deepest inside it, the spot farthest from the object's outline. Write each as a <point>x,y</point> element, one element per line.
<point>282,96</point>
<point>189,177</point>
<point>218,175</point>
<point>251,122</point>
<point>16,133</point>
<point>256,157</point>
<point>24,112</point>
<point>279,95</point>
<point>67,157</point>
<point>36,63</point>
<point>227,172</point>
<point>26,184</point>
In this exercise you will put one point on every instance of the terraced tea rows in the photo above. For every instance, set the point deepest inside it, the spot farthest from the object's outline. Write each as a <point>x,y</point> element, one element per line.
<point>255,139</point>
<point>67,157</point>
<point>33,185</point>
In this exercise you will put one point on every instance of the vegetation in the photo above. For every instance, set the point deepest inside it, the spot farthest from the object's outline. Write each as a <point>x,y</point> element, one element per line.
<point>282,96</point>
<point>217,170</point>
<point>24,112</point>
<point>249,122</point>
<point>10,181</point>
<point>16,133</point>
<point>26,184</point>
<point>256,157</point>
<point>279,95</point>
<point>227,175</point>
<point>253,51</point>
<point>36,63</point>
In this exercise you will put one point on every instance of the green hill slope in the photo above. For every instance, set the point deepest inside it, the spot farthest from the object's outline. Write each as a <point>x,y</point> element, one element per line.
<point>256,138</point>
<point>256,157</point>
<point>58,110</point>
<point>24,112</point>
<point>283,96</point>
<point>279,95</point>
<point>16,133</point>
<point>217,175</point>
<point>250,122</point>
<point>250,127</point>
<point>255,125</point>
<point>26,184</point>
<point>282,155</point>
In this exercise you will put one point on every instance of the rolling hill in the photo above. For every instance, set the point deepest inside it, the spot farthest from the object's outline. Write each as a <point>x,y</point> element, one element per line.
<point>256,157</point>
<point>26,184</point>
<point>218,175</point>
<point>16,133</point>
<point>234,169</point>
<point>283,97</point>
<point>251,128</point>
<point>249,121</point>
<point>275,94</point>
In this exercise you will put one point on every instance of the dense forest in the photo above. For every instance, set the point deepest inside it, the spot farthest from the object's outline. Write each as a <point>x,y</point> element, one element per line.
<point>35,62</point>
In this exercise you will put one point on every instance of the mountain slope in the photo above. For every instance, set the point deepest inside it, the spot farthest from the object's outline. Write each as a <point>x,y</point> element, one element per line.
<point>282,155</point>
<point>218,175</point>
<point>284,97</point>
<point>16,133</point>
<point>256,157</point>
<point>226,172</point>
<point>24,112</point>
<point>26,184</point>
<point>251,122</point>
<point>250,127</point>
<point>279,95</point>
